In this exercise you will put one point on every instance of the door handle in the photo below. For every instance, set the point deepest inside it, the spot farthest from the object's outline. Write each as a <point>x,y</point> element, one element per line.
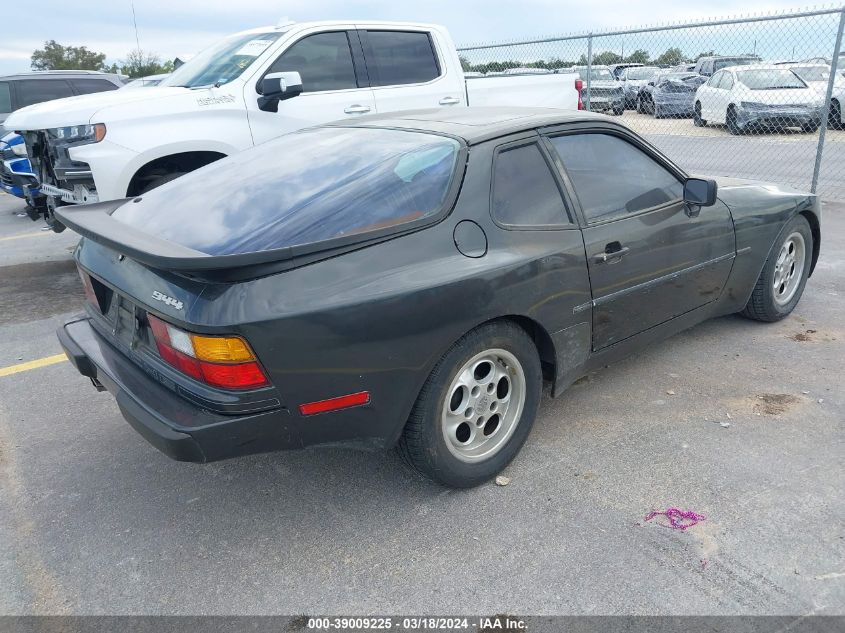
<point>449,101</point>
<point>356,108</point>
<point>613,252</point>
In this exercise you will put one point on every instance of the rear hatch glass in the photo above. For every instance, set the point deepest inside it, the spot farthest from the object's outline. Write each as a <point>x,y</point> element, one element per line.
<point>304,188</point>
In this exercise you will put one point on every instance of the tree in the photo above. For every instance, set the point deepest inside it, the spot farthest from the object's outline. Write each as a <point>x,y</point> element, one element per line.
<point>465,65</point>
<point>639,56</point>
<point>140,63</point>
<point>671,57</point>
<point>54,56</point>
<point>605,58</point>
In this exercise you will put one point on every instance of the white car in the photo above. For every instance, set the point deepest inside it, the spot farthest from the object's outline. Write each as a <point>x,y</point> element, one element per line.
<point>758,97</point>
<point>251,87</point>
<point>818,76</point>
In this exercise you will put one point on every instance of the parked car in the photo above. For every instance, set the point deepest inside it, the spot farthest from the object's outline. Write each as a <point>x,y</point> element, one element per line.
<point>669,94</point>
<point>707,66</point>
<point>146,82</point>
<point>25,89</point>
<point>633,79</point>
<point>818,76</point>
<point>605,93</point>
<point>251,87</point>
<point>386,283</point>
<point>617,69</point>
<point>16,171</point>
<point>754,98</point>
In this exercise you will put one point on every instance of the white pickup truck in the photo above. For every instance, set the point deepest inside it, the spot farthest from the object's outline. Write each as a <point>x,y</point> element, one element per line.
<point>238,93</point>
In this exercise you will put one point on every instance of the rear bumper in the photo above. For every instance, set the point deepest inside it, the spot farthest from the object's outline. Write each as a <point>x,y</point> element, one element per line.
<point>175,426</point>
<point>786,117</point>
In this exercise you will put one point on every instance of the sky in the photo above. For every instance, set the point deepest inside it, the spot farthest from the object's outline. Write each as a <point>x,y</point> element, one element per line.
<point>180,28</point>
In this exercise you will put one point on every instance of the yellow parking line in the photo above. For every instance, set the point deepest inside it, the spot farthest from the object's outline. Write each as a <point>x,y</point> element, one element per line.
<point>20,237</point>
<point>33,364</point>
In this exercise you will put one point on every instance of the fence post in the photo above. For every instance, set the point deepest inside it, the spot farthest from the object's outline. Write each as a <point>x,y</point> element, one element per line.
<point>837,48</point>
<point>589,68</point>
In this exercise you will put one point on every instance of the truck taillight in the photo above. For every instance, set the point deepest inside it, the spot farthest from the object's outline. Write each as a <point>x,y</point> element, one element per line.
<point>579,86</point>
<point>219,361</point>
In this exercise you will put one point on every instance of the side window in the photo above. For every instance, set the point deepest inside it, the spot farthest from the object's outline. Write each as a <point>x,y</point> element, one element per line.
<point>524,191</point>
<point>714,80</point>
<point>323,60</point>
<point>400,57</point>
<point>613,178</point>
<point>88,86</point>
<point>32,91</point>
<point>5,97</point>
<point>727,81</point>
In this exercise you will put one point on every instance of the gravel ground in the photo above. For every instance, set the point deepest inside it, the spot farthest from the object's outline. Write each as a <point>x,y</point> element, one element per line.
<point>738,421</point>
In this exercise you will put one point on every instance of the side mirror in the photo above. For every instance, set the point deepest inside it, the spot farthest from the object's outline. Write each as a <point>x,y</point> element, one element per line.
<point>700,192</point>
<point>277,87</point>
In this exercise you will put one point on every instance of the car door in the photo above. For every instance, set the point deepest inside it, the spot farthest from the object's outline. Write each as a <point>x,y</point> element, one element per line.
<point>407,70</point>
<point>725,92</point>
<point>334,85</point>
<point>651,257</point>
<point>710,97</point>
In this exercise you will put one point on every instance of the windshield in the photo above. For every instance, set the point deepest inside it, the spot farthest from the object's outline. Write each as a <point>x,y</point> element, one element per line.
<point>770,79</point>
<point>302,188</point>
<point>598,74</point>
<point>733,61</point>
<point>812,73</point>
<point>221,63</point>
<point>640,73</point>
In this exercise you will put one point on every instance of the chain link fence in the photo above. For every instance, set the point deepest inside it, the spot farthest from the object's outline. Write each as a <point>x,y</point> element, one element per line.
<point>758,97</point>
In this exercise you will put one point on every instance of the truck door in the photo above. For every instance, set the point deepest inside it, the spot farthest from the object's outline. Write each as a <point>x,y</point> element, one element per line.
<point>334,85</point>
<point>409,69</point>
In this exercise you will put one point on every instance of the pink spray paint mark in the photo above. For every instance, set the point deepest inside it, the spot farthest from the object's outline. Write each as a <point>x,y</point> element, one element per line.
<point>678,519</point>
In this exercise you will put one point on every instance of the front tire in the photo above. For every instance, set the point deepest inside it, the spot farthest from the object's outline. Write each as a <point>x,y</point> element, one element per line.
<point>477,407</point>
<point>782,280</point>
<point>696,116</point>
<point>732,123</point>
<point>834,116</point>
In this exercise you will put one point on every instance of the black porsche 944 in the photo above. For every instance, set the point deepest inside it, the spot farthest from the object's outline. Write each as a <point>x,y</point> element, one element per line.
<point>412,280</point>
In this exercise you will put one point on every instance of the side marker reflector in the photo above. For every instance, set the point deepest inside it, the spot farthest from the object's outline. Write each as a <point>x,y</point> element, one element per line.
<point>334,404</point>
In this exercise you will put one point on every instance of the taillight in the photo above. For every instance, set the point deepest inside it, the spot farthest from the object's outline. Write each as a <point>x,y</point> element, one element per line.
<point>579,86</point>
<point>89,288</point>
<point>220,361</point>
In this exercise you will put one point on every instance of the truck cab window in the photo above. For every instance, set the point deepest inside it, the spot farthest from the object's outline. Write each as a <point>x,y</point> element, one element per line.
<point>400,57</point>
<point>323,60</point>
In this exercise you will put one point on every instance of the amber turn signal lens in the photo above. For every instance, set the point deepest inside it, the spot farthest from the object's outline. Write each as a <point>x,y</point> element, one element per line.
<point>221,349</point>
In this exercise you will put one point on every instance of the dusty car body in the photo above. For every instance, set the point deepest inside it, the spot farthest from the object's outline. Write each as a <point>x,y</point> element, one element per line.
<point>669,94</point>
<point>509,269</point>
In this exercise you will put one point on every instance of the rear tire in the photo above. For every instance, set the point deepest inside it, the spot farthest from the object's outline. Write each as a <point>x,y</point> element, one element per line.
<point>477,407</point>
<point>782,280</point>
<point>640,106</point>
<point>732,124</point>
<point>696,116</point>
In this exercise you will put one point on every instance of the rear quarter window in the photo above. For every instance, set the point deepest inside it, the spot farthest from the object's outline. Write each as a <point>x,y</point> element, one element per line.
<point>32,91</point>
<point>525,193</point>
<point>5,97</point>
<point>89,86</point>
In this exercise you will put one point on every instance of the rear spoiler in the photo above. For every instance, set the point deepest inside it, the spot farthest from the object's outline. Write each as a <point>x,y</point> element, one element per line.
<point>95,222</point>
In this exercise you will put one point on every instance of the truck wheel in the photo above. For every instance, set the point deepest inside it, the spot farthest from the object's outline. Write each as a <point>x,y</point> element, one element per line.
<point>782,281</point>
<point>477,407</point>
<point>696,116</point>
<point>158,181</point>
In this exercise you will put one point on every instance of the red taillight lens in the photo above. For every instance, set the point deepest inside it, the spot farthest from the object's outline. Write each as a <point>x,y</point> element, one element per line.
<point>89,289</point>
<point>237,367</point>
<point>579,86</point>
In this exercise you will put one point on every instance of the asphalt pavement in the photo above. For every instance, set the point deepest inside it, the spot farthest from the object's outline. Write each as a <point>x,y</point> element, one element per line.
<point>737,421</point>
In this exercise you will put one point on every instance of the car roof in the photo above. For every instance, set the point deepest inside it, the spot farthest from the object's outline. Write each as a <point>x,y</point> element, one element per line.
<point>474,124</point>
<point>756,67</point>
<point>35,74</point>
